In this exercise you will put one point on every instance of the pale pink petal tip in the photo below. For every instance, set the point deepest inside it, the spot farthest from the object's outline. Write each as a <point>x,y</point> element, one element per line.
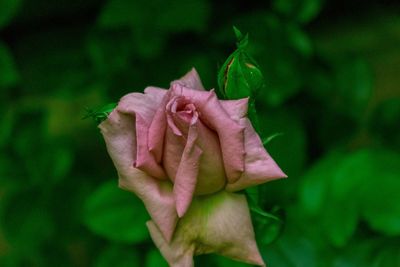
<point>190,80</point>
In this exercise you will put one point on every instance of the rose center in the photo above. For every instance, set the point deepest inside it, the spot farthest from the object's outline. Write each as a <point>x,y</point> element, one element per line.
<point>186,132</point>
<point>181,113</point>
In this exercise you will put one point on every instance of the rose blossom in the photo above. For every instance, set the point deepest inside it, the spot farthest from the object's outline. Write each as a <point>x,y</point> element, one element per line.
<point>185,153</point>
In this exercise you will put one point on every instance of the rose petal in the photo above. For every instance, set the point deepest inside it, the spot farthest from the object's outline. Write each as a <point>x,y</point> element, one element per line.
<point>119,134</point>
<point>157,130</point>
<point>259,165</point>
<point>236,109</point>
<point>186,176</point>
<point>157,197</point>
<point>156,93</point>
<point>212,177</point>
<point>209,168</point>
<point>143,107</point>
<point>158,125</point>
<point>190,80</point>
<point>230,133</point>
<point>217,223</point>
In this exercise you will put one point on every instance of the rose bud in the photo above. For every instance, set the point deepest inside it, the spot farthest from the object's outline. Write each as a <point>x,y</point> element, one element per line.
<point>240,75</point>
<point>186,154</point>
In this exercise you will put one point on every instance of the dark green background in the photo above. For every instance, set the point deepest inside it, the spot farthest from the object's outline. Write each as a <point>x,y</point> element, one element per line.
<point>332,70</point>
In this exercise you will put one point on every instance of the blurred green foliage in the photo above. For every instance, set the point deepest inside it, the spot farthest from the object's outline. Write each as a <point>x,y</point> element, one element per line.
<point>332,89</point>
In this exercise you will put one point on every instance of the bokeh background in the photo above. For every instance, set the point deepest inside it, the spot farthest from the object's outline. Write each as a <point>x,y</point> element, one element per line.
<point>332,70</point>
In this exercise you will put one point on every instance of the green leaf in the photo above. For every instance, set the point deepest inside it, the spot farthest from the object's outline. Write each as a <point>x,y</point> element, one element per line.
<point>315,185</point>
<point>110,52</point>
<point>26,222</point>
<point>293,141</point>
<point>62,162</point>
<point>300,40</point>
<point>171,16</point>
<point>267,225</point>
<point>354,82</point>
<point>294,138</point>
<point>7,121</point>
<point>155,259</point>
<point>357,253</point>
<point>369,178</point>
<point>327,194</point>
<point>388,257</point>
<point>118,13</point>
<point>381,188</point>
<point>38,70</point>
<point>301,10</point>
<point>151,21</point>
<point>346,88</point>
<point>344,187</point>
<point>384,123</point>
<point>340,219</point>
<point>293,248</point>
<point>253,194</point>
<point>118,256</point>
<point>116,215</point>
<point>9,75</point>
<point>8,9</point>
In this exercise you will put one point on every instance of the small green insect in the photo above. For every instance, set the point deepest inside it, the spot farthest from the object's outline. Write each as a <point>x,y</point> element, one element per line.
<point>100,114</point>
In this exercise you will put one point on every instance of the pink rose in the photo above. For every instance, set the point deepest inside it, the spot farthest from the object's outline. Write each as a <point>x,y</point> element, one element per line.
<point>185,153</point>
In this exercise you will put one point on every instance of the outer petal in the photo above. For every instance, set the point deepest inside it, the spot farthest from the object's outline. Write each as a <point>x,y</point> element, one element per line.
<point>119,134</point>
<point>212,177</point>
<point>217,223</point>
<point>230,133</point>
<point>143,108</point>
<point>193,160</point>
<point>173,150</point>
<point>236,109</point>
<point>156,93</point>
<point>157,131</point>
<point>190,80</point>
<point>186,176</point>
<point>259,165</point>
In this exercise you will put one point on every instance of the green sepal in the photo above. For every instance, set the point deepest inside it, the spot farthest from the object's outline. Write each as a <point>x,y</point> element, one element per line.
<point>100,114</point>
<point>252,195</point>
<point>270,138</point>
<point>222,74</point>
<point>267,225</point>
<point>242,40</point>
<point>252,115</point>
